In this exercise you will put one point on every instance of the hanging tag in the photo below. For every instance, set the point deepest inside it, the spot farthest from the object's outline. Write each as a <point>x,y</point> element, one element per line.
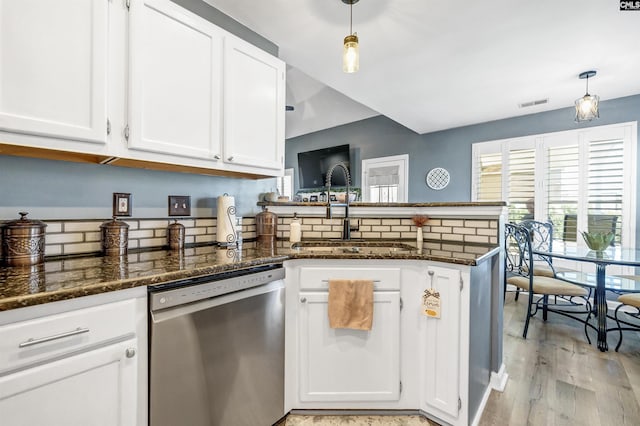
<point>431,303</point>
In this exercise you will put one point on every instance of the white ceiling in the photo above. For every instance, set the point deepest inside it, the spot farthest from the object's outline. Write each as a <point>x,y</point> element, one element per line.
<point>437,64</point>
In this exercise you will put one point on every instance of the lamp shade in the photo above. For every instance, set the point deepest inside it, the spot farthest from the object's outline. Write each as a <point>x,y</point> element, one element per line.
<point>350,54</point>
<point>587,108</point>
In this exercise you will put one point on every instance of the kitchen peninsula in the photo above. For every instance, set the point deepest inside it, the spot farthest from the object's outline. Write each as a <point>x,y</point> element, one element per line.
<point>428,365</point>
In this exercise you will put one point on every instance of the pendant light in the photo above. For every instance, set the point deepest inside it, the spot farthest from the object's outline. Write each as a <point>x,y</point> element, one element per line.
<point>587,106</point>
<point>350,50</point>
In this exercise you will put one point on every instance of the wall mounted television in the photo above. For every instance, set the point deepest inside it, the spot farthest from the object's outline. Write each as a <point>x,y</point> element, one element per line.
<point>314,165</point>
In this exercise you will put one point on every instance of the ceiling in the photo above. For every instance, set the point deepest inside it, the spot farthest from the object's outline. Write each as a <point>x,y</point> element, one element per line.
<point>437,64</point>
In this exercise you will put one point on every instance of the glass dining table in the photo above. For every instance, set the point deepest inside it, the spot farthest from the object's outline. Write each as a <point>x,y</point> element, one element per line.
<point>599,281</point>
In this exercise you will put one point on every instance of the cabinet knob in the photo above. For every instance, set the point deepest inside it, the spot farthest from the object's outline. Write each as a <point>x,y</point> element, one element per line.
<point>230,158</point>
<point>303,300</point>
<point>130,352</point>
<point>216,157</point>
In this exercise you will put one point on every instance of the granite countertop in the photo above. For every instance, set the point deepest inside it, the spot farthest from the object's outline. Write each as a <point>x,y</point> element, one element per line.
<point>67,278</point>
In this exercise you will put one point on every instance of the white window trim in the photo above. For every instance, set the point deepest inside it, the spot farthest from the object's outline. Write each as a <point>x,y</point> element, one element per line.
<point>628,132</point>
<point>400,160</point>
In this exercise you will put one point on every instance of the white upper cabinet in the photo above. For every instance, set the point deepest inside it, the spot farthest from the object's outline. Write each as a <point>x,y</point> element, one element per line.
<point>53,67</point>
<point>147,82</point>
<point>254,106</point>
<point>175,81</point>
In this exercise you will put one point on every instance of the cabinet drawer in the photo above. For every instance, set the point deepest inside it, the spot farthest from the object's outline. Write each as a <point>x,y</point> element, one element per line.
<point>317,278</point>
<point>36,340</point>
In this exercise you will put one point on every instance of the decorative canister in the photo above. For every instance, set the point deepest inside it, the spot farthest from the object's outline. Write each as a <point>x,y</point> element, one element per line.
<point>266,226</point>
<point>115,237</point>
<point>175,236</point>
<point>23,241</point>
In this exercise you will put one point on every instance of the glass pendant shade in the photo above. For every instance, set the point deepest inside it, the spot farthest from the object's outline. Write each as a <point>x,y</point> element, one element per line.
<point>350,54</point>
<point>587,108</point>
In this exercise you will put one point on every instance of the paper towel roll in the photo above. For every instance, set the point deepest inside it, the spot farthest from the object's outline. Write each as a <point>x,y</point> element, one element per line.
<point>226,220</point>
<point>295,232</point>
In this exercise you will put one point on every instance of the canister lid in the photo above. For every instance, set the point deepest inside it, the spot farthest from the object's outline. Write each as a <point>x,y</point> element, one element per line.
<point>23,222</point>
<point>176,225</point>
<point>114,224</point>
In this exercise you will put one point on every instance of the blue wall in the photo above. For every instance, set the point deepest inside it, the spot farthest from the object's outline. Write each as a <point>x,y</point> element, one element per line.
<point>52,189</point>
<point>451,149</point>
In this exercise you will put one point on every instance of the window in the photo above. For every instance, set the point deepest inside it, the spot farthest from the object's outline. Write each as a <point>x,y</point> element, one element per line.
<point>384,179</point>
<point>578,180</point>
<point>284,184</point>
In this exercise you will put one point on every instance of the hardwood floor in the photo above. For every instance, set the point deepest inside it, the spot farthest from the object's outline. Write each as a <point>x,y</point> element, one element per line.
<point>555,379</point>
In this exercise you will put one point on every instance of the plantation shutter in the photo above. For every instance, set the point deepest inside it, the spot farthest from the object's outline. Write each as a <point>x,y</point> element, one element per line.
<point>605,186</point>
<point>521,184</point>
<point>563,184</point>
<point>489,177</point>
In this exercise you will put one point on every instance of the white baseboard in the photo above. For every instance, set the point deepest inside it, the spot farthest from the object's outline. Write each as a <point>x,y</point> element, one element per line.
<point>499,379</point>
<point>483,402</point>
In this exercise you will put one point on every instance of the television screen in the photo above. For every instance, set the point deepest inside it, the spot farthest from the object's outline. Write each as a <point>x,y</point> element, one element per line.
<point>314,165</point>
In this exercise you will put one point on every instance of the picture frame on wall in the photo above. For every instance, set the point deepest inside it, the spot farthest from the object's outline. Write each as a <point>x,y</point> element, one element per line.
<point>179,205</point>
<point>122,204</point>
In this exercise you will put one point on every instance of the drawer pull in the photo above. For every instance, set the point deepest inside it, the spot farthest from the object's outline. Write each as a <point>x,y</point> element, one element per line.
<point>32,341</point>
<point>326,281</point>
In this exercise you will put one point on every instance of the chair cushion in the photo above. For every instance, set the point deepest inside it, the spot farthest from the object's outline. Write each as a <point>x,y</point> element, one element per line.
<point>546,285</point>
<point>543,271</point>
<point>629,277</point>
<point>630,299</point>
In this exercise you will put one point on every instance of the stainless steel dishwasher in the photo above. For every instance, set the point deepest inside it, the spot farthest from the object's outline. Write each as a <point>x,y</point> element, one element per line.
<point>217,349</point>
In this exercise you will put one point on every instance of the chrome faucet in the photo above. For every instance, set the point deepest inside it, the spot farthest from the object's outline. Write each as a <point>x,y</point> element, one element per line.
<point>346,225</point>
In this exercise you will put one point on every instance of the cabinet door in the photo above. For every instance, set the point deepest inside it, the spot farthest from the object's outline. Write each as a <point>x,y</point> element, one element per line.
<point>53,61</point>
<point>97,387</point>
<point>342,365</point>
<point>253,106</point>
<point>175,81</point>
<point>441,346</point>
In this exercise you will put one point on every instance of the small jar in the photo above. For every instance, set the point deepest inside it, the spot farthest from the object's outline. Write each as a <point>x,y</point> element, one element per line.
<point>115,237</point>
<point>175,236</point>
<point>23,241</point>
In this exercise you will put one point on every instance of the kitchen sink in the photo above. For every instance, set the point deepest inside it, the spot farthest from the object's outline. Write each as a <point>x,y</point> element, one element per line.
<point>355,247</point>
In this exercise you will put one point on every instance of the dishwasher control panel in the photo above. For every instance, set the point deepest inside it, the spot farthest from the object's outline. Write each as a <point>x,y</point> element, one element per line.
<point>210,287</point>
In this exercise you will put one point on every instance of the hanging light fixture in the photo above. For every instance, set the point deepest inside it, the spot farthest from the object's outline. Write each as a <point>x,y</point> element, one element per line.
<point>587,106</point>
<point>350,50</point>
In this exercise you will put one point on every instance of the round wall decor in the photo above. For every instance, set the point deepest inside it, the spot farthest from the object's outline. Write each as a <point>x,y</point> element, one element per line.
<point>437,178</point>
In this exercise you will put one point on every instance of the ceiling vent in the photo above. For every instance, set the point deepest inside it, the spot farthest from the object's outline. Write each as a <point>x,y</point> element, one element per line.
<point>533,103</point>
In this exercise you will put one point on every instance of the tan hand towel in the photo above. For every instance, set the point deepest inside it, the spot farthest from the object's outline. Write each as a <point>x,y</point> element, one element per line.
<point>351,304</point>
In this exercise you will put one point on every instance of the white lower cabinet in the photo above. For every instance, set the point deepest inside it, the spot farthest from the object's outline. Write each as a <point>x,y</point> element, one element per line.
<point>77,362</point>
<point>443,351</point>
<point>97,387</point>
<point>408,361</point>
<point>342,365</point>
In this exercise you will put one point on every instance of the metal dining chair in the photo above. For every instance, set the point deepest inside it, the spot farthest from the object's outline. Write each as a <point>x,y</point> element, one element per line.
<point>519,269</point>
<point>541,239</point>
<point>629,300</point>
